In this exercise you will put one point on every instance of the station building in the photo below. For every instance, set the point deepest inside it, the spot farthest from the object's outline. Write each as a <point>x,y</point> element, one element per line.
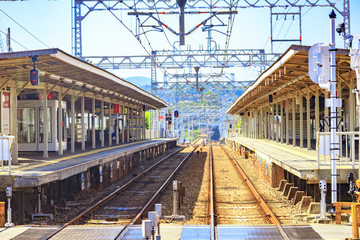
<point>284,124</point>
<point>91,134</point>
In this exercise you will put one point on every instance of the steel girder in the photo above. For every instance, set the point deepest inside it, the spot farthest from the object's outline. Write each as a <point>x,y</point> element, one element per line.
<point>89,6</point>
<point>186,59</point>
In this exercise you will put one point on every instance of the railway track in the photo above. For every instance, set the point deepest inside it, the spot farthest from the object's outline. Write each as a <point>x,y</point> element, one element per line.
<point>233,198</point>
<point>126,205</point>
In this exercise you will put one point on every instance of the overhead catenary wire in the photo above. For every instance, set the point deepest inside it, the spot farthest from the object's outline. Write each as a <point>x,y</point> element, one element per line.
<point>109,9</point>
<point>24,29</point>
<point>146,38</point>
<point>229,30</point>
<point>14,40</point>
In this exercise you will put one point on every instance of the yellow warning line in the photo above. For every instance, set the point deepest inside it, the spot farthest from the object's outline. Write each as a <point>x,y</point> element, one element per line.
<point>70,157</point>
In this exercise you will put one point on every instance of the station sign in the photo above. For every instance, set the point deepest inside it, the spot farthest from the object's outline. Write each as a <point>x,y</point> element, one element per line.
<point>116,108</point>
<point>5,112</point>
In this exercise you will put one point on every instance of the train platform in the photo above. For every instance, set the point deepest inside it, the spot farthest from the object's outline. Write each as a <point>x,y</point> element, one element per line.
<point>33,170</point>
<point>300,162</point>
<point>182,232</point>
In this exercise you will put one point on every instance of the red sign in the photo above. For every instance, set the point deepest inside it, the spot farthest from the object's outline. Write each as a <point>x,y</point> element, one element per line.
<point>6,100</point>
<point>49,96</point>
<point>6,112</point>
<point>161,117</point>
<point>116,108</point>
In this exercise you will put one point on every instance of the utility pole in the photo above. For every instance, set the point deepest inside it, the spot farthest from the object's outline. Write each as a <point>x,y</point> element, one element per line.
<point>334,140</point>
<point>8,41</point>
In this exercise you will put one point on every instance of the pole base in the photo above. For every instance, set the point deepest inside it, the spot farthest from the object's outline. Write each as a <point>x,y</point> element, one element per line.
<point>9,224</point>
<point>321,219</point>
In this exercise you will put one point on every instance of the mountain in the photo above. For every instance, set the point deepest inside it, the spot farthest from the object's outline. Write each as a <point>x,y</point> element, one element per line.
<point>141,82</point>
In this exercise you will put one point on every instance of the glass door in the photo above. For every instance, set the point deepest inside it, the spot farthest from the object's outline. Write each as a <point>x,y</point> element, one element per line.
<point>31,128</point>
<point>27,129</point>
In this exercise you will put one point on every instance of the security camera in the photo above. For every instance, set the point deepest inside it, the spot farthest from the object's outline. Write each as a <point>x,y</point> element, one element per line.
<point>340,28</point>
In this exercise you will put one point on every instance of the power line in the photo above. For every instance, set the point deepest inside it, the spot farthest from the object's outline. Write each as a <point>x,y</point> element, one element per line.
<point>24,28</point>
<point>14,40</point>
<point>109,9</point>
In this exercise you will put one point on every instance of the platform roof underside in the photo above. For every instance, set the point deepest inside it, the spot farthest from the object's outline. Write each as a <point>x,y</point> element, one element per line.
<point>17,65</point>
<point>288,76</point>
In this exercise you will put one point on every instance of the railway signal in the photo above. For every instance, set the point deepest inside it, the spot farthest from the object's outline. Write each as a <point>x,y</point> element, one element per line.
<point>34,77</point>
<point>34,74</point>
<point>176,113</point>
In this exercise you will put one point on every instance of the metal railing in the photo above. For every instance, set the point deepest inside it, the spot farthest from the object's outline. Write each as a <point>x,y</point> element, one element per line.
<point>349,148</point>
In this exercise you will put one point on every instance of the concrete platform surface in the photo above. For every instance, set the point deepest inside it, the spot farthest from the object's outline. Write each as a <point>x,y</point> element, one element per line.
<point>182,232</point>
<point>299,161</point>
<point>32,172</point>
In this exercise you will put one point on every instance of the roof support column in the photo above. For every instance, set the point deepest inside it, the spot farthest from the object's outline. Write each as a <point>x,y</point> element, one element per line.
<point>83,123</point>
<point>261,135</point>
<point>156,120</point>
<point>122,123</point>
<point>102,123</point>
<point>137,125</point>
<point>234,125</point>
<point>45,124</point>
<point>259,123</point>
<point>293,109</point>
<point>351,108</point>
<point>93,117</point>
<point>287,120</point>
<point>269,123</point>
<point>274,119</point>
<point>110,125</point>
<point>247,125</point>
<point>128,123</point>
<point>117,129</point>
<point>140,124</point>
<point>255,120</point>
<point>308,118</point>
<point>352,120</point>
<point>282,121</point>
<point>301,100</point>
<point>143,125</point>
<point>73,122</point>
<point>60,124</point>
<point>14,125</point>
<point>317,110</point>
<point>131,122</point>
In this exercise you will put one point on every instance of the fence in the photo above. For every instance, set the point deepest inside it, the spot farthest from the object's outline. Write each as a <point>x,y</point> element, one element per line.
<point>349,148</point>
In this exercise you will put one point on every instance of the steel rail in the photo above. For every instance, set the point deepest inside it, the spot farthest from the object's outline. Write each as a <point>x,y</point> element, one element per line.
<point>212,198</point>
<point>111,195</point>
<point>124,231</point>
<point>259,200</point>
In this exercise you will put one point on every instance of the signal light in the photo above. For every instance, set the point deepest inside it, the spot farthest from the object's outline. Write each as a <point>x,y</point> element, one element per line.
<point>176,113</point>
<point>34,77</point>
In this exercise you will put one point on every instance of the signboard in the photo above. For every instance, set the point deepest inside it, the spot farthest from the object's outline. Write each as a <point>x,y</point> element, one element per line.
<point>5,112</point>
<point>319,64</point>
<point>116,108</point>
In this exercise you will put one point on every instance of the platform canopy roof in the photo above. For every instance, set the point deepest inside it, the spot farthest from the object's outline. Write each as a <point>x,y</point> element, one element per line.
<point>288,74</point>
<point>61,69</point>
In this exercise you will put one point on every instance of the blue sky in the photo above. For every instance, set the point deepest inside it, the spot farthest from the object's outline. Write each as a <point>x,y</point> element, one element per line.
<point>103,34</point>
